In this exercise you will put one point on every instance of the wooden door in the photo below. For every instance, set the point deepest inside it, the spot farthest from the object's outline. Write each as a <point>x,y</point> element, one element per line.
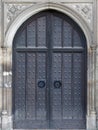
<point>49,73</point>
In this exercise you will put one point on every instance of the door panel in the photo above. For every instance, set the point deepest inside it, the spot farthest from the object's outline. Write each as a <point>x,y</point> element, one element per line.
<point>21,39</point>
<point>78,86</point>
<point>49,81</point>
<point>55,103</point>
<point>67,86</point>
<point>41,32</point>
<point>19,94</point>
<point>67,34</point>
<point>31,34</point>
<point>31,86</point>
<point>67,98</point>
<point>56,31</point>
<point>41,107</point>
<point>30,99</point>
<point>76,39</point>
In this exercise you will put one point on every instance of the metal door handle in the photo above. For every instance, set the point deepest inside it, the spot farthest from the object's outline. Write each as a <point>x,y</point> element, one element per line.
<point>57,84</point>
<point>41,84</point>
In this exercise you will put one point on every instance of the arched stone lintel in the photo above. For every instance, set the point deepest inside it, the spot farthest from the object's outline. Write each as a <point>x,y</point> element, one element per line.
<point>21,18</point>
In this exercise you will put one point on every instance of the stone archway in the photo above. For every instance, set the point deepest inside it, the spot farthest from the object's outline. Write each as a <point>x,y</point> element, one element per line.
<point>91,116</point>
<point>40,7</point>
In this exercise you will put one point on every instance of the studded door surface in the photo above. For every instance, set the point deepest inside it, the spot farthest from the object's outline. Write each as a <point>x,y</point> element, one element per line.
<point>49,74</point>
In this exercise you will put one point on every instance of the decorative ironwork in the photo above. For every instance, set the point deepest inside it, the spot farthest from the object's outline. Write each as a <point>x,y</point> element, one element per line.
<point>57,84</point>
<point>41,84</point>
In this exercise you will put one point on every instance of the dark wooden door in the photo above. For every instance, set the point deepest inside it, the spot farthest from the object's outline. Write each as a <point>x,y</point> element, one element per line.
<point>49,73</point>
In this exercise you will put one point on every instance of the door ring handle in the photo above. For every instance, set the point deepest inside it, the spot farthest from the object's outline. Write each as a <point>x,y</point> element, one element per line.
<point>57,84</point>
<point>41,84</point>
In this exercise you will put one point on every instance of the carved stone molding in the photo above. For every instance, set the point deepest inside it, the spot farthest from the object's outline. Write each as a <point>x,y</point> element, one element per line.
<point>84,9</point>
<point>13,10</point>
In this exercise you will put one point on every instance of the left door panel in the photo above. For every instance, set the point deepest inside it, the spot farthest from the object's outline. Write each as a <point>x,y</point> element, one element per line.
<point>30,105</point>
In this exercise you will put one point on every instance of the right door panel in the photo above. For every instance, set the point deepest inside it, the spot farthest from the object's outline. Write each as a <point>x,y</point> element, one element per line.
<point>68,92</point>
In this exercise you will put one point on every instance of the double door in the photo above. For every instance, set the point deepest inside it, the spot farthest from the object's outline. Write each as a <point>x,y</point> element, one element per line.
<point>49,86</point>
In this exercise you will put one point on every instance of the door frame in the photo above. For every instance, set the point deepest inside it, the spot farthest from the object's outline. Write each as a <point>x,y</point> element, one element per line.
<point>91,51</point>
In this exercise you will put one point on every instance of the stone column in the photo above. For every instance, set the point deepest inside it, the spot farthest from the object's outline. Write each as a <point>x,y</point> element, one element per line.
<point>91,118</point>
<point>4,91</point>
